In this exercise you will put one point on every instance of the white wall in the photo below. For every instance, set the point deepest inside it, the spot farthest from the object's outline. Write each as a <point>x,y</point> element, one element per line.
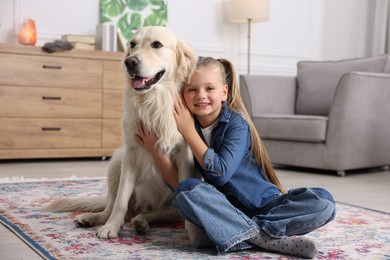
<point>341,28</point>
<point>297,30</point>
<point>293,33</point>
<point>53,18</point>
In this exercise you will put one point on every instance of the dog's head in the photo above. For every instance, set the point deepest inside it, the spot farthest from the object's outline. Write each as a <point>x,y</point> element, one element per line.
<point>155,54</point>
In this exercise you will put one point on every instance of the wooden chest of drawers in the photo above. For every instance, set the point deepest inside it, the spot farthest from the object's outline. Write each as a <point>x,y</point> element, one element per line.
<point>65,104</point>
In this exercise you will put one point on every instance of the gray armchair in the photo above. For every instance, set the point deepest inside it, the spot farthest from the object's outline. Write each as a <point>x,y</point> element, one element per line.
<point>333,115</point>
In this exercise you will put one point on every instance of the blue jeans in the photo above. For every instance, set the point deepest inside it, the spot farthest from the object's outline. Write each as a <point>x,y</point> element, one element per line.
<point>298,212</point>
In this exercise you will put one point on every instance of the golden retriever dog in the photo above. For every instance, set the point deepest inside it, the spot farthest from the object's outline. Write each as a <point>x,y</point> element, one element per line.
<point>157,64</point>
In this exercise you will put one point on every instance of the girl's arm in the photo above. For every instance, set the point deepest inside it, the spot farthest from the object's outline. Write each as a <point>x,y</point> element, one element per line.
<point>233,144</point>
<point>218,168</point>
<point>185,124</point>
<point>167,168</point>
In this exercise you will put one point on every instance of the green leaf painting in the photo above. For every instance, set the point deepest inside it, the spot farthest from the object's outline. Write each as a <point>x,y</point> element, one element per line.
<point>130,15</point>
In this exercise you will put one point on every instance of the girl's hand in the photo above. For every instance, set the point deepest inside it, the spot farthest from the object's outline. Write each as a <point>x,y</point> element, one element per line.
<point>185,124</point>
<point>146,138</point>
<point>165,165</point>
<point>183,117</point>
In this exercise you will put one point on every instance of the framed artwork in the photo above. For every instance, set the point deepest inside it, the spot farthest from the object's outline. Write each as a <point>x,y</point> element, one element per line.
<point>129,15</point>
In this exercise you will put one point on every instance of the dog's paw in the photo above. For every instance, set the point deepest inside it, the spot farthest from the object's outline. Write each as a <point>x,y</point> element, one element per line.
<point>108,231</point>
<point>84,220</point>
<point>140,224</point>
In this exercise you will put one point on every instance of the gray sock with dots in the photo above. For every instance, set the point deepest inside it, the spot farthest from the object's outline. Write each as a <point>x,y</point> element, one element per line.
<point>297,246</point>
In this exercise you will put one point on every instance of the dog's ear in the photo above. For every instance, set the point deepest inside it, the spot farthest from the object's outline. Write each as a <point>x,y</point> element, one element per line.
<point>186,60</point>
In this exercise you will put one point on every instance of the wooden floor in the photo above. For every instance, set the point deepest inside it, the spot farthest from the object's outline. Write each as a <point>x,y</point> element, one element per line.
<point>369,188</point>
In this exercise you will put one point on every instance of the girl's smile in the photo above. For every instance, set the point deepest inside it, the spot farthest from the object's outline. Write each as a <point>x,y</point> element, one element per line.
<point>202,105</point>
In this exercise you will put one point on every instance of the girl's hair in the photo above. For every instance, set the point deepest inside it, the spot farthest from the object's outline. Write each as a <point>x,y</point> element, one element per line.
<point>236,104</point>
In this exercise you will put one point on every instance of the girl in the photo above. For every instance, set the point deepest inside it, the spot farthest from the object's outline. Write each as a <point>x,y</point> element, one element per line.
<point>241,202</point>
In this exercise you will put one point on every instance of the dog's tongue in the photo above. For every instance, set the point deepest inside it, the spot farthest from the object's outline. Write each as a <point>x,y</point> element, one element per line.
<point>139,82</point>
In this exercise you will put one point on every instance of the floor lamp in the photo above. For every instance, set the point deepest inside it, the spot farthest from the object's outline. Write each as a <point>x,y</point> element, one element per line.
<point>249,11</point>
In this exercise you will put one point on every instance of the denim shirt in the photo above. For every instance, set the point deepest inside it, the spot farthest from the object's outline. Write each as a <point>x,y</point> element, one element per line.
<point>231,168</point>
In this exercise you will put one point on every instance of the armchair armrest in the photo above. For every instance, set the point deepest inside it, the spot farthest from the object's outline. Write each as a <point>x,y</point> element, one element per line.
<point>359,122</point>
<point>268,94</point>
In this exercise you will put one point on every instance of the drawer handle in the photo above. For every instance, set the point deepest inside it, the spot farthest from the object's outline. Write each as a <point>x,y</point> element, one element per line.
<point>52,67</point>
<point>51,128</point>
<point>51,98</point>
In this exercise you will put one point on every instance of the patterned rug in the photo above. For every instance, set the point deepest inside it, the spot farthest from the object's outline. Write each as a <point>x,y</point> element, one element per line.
<point>356,233</point>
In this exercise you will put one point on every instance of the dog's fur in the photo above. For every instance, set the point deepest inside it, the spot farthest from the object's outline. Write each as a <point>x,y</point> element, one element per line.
<point>136,189</point>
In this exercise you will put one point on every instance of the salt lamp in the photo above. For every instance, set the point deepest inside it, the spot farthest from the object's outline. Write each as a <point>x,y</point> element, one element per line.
<point>27,32</point>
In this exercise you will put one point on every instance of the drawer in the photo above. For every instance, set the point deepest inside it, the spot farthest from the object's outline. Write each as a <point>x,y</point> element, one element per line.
<point>112,133</point>
<point>33,70</point>
<point>114,75</point>
<point>112,103</point>
<point>49,133</point>
<point>50,102</point>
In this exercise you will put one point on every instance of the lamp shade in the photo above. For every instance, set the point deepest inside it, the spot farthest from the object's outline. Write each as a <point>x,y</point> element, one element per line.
<point>242,10</point>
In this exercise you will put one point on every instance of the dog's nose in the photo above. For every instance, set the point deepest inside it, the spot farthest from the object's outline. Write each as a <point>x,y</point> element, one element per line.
<point>132,62</point>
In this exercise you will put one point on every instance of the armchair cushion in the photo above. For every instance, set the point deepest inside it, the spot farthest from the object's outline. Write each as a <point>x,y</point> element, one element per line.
<point>318,80</point>
<point>268,94</point>
<point>292,127</point>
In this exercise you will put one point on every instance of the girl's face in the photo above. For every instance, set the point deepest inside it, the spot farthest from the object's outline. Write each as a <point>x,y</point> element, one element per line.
<point>205,93</point>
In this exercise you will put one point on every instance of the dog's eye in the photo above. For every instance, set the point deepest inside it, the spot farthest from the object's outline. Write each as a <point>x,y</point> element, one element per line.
<point>156,45</point>
<point>132,45</point>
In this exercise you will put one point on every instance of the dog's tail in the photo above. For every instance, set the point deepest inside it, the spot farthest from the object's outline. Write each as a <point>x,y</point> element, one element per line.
<point>93,204</point>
